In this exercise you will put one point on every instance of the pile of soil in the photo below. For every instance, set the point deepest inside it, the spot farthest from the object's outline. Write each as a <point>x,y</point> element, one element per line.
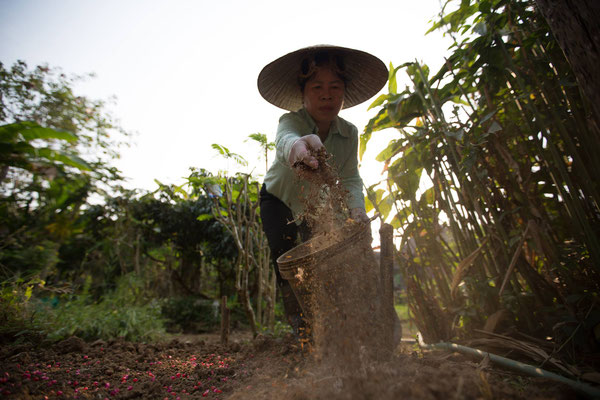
<point>197,367</point>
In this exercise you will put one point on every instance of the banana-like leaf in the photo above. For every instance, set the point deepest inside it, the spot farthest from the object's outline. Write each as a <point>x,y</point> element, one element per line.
<point>65,158</point>
<point>31,131</point>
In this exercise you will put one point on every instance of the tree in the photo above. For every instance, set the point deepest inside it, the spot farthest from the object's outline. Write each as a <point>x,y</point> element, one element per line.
<point>265,145</point>
<point>55,149</point>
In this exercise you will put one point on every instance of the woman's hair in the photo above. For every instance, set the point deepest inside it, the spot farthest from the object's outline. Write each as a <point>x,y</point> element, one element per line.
<point>309,65</point>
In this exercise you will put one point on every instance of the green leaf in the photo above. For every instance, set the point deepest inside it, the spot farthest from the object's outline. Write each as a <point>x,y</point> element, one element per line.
<point>487,116</point>
<point>385,206</point>
<point>65,158</point>
<point>456,134</point>
<point>395,222</point>
<point>362,145</point>
<point>31,130</point>
<point>224,151</point>
<point>204,217</point>
<point>392,85</point>
<point>258,137</point>
<point>394,147</point>
<point>408,182</point>
<point>407,109</point>
<point>428,196</point>
<point>494,127</point>
<point>378,101</point>
<point>368,204</point>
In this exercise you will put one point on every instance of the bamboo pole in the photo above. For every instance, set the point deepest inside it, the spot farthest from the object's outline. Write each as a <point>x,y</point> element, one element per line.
<point>512,364</point>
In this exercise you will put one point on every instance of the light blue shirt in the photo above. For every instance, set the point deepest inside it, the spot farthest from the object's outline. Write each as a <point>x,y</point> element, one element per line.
<point>341,143</point>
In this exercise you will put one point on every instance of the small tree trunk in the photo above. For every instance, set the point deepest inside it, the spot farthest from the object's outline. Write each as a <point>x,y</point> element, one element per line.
<point>242,289</point>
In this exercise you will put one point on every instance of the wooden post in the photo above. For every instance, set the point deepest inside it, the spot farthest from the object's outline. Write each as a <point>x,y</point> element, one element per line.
<point>224,321</point>
<point>386,271</point>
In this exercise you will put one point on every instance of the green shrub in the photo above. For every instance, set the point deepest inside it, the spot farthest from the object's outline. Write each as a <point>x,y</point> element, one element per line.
<point>123,312</point>
<point>190,314</point>
<point>16,315</point>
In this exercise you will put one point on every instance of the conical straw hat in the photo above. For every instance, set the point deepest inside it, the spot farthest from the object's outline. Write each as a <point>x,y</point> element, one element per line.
<point>278,81</point>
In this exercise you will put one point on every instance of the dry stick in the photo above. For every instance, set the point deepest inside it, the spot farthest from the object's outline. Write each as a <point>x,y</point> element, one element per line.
<point>224,321</point>
<point>513,262</point>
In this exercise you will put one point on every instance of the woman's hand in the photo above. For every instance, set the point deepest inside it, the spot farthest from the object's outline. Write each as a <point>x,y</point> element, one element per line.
<point>300,151</point>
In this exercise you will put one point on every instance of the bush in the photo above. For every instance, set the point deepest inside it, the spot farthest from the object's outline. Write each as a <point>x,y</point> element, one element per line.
<point>190,314</point>
<point>123,312</point>
<point>16,316</point>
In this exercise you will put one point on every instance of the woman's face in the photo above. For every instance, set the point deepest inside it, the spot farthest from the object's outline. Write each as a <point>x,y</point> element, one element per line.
<point>324,95</point>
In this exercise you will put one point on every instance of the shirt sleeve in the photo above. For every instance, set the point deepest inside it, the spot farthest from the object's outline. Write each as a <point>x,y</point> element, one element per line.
<point>350,176</point>
<point>289,130</point>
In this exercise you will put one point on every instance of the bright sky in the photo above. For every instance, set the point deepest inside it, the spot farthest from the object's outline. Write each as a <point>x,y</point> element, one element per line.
<point>184,72</point>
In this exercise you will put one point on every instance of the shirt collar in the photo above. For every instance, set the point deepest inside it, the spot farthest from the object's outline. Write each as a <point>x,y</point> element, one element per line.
<point>333,129</point>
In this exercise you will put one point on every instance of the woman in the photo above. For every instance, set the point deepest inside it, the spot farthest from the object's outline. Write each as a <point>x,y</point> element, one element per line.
<point>314,83</point>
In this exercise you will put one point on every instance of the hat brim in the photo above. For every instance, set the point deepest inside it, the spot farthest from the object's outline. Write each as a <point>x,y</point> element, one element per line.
<point>278,80</point>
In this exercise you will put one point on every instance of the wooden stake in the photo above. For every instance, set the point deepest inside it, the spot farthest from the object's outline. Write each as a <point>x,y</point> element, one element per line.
<point>224,321</point>
<point>386,270</point>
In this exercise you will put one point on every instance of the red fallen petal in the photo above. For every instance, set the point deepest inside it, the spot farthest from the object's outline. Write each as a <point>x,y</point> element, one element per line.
<point>205,393</point>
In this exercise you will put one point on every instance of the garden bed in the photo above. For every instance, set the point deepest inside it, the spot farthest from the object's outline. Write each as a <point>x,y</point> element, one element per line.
<point>196,367</point>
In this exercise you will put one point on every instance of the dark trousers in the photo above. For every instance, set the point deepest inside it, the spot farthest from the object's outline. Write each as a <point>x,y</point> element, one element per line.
<point>282,235</point>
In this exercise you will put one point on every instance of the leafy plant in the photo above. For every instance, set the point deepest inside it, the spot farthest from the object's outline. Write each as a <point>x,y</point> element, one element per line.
<point>490,178</point>
<point>235,207</point>
<point>190,314</point>
<point>123,312</point>
<point>16,312</point>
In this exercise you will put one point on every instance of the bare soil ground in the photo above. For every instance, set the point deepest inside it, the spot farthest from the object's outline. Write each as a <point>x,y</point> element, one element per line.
<point>195,367</point>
